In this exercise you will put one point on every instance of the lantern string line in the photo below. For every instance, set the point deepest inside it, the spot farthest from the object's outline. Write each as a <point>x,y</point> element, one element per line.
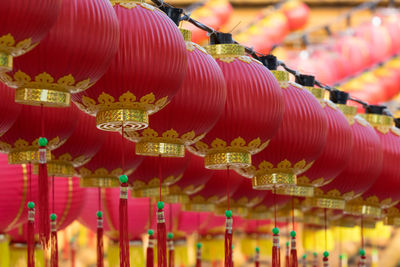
<point>211,32</point>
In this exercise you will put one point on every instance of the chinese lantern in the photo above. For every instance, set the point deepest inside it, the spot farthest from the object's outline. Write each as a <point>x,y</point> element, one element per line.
<point>154,171</point>
<point>105,168</point>
<point>146,73</point>
<point>298,142</point>
<point>253,98</point>
<point>382,193</point>
<point>268,205</point>
<point>73,56</point>
<point>363,167</point>
<point>24,24</point>
<point>193,180</point>
<point>390,20</point>
<point>9,110</point>
<point>336,152</point>
<point>191,221</point>
<point>297,13</point>
<point>202,96</point>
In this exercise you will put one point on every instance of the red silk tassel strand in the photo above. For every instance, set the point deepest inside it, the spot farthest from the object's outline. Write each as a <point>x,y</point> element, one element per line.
<point>257,257</point>
<point>44,224</point>
<point>123,226</point>
<point>171,250</point>
<point>304,261</point>
<point>73,255</point>
<point>161,239</point>
<point>198,256</point>
<point>228,241</point>
<point>276,253</point>
<point>325,262</point>
<point>100,246</point>
<point>363,261</point>
<point>150,252</point>
<point>287,256</point>
<point>315,260</point>
<point>54,244</point>
<point>293,252</point>
<point>31,237</point>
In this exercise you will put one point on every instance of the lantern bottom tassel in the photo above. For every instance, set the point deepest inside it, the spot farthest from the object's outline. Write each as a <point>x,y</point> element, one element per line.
<point>44,224</point>
<point>100,245</point>
<point>287,256</point>
<point>31,235</point>
<point>150,250</point>
<point>325,259</point>
<point>171,250</point>
<point>198,254</point>
<point>53,241</point>
<point>257,257</point>
<point>161,236</point>
<point>276,253</point>
<point>123,224</point>
<point>293,250</point>
<point>228,238</point>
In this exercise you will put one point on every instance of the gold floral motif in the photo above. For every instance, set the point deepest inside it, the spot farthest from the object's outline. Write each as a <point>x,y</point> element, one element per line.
<point>296,190</point>
<point>225,50</point>
<point>246,202</point>
<point>190,190</point>
<point>6,62</point>
<point>27,156</point>
<point>131,119</point>
<point>377,120</point>
<point>129,4</point>
<point>282,77</point>
<point>23,145</point>
<point>8,45</point>
<point>344,222</point>
<point>270,181</point>
<point>58,168</point>
<point>394,221</point>
<point>155,182</point>
<point>103,182</point>
<point>37,97</point>
<point>334,193</point>
<point>190,46</point>
<point>102,174</point>
<point>220,161</point>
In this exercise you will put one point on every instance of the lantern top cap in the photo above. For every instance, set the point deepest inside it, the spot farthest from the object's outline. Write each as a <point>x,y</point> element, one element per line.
<point>378,119</point>
<point>225,50</point>
<point>339,97</point>
<point>187,35</point>
<point>281,75</point>
<point>305,80</point>
<point>173,13</point>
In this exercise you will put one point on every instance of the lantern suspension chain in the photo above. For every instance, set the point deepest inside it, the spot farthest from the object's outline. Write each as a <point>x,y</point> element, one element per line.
<point>257,55</point>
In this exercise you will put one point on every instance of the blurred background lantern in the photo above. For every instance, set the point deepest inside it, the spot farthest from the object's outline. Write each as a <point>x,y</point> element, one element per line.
<point>147,71</point>
<point>202,96</point>
<point>104,169</point>
<point>9,110</point>
<point>253,98</point>
<point>24,25</point>
<point>73,56</point>
<point>297,13</point>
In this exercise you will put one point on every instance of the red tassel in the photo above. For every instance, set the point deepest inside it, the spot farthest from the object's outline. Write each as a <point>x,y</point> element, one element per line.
<point>287,256</point>
<point>304,260</point>
<point>257,257</point>
<point>228,241</point>
<point>171,250</point>
<point>150,251</point>
<point>325,262</point>
<point>315,260</point>
<point>100,246</point>
<point>363,261</point>
<point>198,255</point>
<point>161,236</point>
<point>276,253</point>
<point>44,224</point>
<point>54,244</point>
<point>73,254</point>
<point>123,226</point>
<point>293,250</point>
<point>31,235</point>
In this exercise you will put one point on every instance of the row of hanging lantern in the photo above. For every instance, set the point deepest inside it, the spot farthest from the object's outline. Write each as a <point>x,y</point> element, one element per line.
<point>231,110</point>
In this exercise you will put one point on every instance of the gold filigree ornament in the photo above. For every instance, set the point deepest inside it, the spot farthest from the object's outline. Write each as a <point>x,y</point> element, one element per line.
<point>381,123</point>
<point>220,155</point>
<point>392,216</point>
<point>9,49</point>
<point>283,79</point>
<point>369,207</point>
<point>127,110</point>
<point>58,168</point>
<point>169,144</point>
<point>333,199</point>
<point>283,174</point>
<point>349,112</point>
<point>129,4</point>
<point>101,177</point>
<point>200,204</point>
<point>152,188</point>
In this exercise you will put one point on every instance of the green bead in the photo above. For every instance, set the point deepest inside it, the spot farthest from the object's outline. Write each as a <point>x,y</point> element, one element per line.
<point>31,205</point>
<point>160,205</point>
<point>150,232</point>
<point>170,235</point>
<point>326,254</point>
<point>304,256</point>
<point>123,178</point>
<point>293,233</point>
<point>257,249</point>
<point>233,246</point>
<point>341,256</point>
<point>228,213</point>
<point>53,217</point>
<point>275,230</point>
<point>362,252</point>
<point>287,243</point>
<point>315,254</point>
<point>199,245</point>
<point>99,214</point>
<point>42,141</point>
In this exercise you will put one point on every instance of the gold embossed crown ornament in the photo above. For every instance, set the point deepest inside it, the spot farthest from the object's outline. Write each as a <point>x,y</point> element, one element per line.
<point>297,144</point>
<point>46,75</point>
<point>105,167</point>
<point>19,36</point>
<point>193,111</point>
<point>392,216</point>
<point>254,99</point>
<point>363,167</point>
<point>335,153</point>
<point>20,142</point>
<point>146,73</point>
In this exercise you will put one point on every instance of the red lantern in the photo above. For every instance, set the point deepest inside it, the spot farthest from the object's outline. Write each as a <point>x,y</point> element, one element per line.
<point>146,73</point>
<point>390,20</point>
<point>138,212</point>
<point>202,97</point>
<point>146,179</point>
<point>246,197</point>
<point>297,13</point>
<point>361,170</point>
<point>24,24</point>
<point>253,98</point>
<point>105,168</point>
<point>298,142</point>
<point>383,193</point>
<point>190,221</point>
<point>9,110</point>
<point>269,204</point>
<point>73,56</point>
<point>193,180</point>
<point>335,154</point>
<point>15,194</point>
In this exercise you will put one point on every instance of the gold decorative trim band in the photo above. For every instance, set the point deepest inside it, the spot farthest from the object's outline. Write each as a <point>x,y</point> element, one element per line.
<point>111,120</point>
<point>103,182</point>
<point>364,210</point>
<point>347,110</point>
<point>220,161</point>
<point>26,156</point>
<point>176,199</point>
<point>150,192</point>
<point>163,149</point>
<point>389,220</point>
<point>270,180</point>
<point>296,190</point>
<point>199,207</point>
<point>280,75</point>
<point>329,203</point>
<point>225,50</point>
<point>187,35</point>
<point>260,215</point>
<point>318,93</point>
<point>58,168</point>
<point>378,120</point>
<point>6,62</point>
<point>48,98</point>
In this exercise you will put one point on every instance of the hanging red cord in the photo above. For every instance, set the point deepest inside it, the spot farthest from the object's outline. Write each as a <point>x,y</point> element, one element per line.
<point>31,224</point>
<point>228,225</point>
<point>53,229</point>
<point>100,245</point>
<point>161,227</point>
